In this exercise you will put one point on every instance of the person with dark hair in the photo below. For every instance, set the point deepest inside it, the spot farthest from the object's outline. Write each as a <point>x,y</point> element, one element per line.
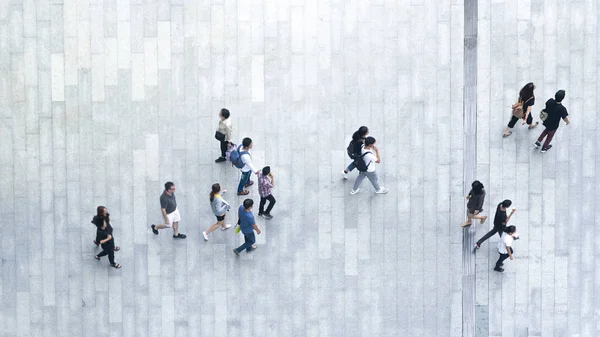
<point>475,205</point>
<point>500,221</point>
<point>170,212</point>
<point>108,245</point>
<point>247,226</point>
<point>266,182</point>
<point>354,148</point>
<point>369,160</point>
<point>224,133</point>
<point>527,100</point>
<point>505,247</point>
<point>219,208</point>
<point>101,218</point>
<point>248,168</point>
<point>556,111</point>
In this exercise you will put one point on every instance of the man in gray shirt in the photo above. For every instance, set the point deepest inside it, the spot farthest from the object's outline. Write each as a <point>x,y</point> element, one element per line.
<point>168,208</point>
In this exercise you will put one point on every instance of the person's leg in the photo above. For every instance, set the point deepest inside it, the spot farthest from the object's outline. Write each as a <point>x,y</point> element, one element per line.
<point>243,180</point>
<point>271,203</point>
<point>542,135</point>
<point>104,252</point>
<point>359,179</point>
<point>223,148</point>
<point>176,228</point>
<point>501,260</point>
<point>214,227</point>
<point>487,236</point>
<point>261,206</point>
<point>251,241</point>
<point>511,124</point>
<point>374,179</point>
<point>247,243</point>
<point>549,139</point>
<point>350,167</point>
<point>529,120</point>
<point>111,257</point>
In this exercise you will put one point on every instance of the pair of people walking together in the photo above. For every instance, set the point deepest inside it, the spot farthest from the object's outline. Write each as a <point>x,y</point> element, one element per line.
<point>364,154</point>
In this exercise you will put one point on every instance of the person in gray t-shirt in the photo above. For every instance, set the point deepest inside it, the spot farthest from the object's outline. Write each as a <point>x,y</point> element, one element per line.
<point>168,208</point>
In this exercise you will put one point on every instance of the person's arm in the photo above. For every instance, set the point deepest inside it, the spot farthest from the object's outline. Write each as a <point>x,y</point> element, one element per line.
<point>508,218</point>
<point>164,214</point>
<point>527,112</point>
<point>247,161</point>
<point>377,154</point>
<point>108,237</point>
<point>272,180</point>
<point>256,229</point>
<point>566,119</point>
<point>228,131</point>
<point>509,251</point>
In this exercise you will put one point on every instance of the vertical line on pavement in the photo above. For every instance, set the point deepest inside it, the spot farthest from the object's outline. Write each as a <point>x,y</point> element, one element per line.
<point>469,160</point>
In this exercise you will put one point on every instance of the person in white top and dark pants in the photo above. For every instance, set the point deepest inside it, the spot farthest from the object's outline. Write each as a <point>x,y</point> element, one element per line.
<point>224,133</point>
<point>505,247</point>
<point>248,167</point>
<point>366,167</point>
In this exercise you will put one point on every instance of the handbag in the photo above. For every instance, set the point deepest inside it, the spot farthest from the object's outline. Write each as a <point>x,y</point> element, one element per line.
<point>220,136</point>
<point>543,115</point>
<point>517,108</point>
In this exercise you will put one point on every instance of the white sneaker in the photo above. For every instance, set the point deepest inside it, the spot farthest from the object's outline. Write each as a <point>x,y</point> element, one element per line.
<point>344,174</point>
<point>205,236</point>
<point>226,227</point>
<point>382,190</point>
<point>353,191</point>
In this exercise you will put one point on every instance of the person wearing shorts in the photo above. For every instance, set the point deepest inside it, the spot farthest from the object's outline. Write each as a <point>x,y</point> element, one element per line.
<point>219,207</point>
<point>168,208</point>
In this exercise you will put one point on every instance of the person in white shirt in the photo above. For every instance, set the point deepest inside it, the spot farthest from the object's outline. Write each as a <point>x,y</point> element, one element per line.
<point>369,158</point>
<point>224,133</point>
<point>505,247</point>
<point>248,167</point>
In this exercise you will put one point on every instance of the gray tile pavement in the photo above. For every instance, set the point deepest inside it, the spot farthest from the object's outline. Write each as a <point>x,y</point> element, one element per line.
<point>101,102</point>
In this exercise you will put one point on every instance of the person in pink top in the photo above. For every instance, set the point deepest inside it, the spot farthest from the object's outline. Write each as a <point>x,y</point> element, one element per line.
<point>266,182</point>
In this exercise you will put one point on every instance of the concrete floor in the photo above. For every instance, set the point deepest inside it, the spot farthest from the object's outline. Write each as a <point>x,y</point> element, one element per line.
<point>102,102</point>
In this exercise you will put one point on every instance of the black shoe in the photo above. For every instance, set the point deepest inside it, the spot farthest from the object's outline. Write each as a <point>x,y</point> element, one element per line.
<point>220,160</point>
<point>538,144</point>
<point>268,216</point>
<point>154,230</point>
<point>179,236</point>
<point>498,269</point>
<point>261,215</point>
<point>236,252</point>
<point>545,149</point>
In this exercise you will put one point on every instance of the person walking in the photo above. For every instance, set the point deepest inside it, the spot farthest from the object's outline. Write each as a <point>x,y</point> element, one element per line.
<point>476,198</point>
<point>353,149</point>
<point>266,182</point>
<point>219,208</point>
<point>505,247</point>
<point>247,226</point>
<point>108,245</point>
<point>170,212</point>
<point>500,221</point>
<point>523,106</point>
<point>248,168</point>
<point>102,217</point>
<point>366,165</point>
<point>224,133</point>
<point>556,111</point>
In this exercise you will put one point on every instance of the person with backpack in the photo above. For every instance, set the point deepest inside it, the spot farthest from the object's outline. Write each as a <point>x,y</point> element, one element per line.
<point>522,109</point>
<point>476,198</point>
<point>354,148</point>
<point>365,164</point>
<point>555,111</point>
<point>242,159</point>
<point>219,207</point>
<point>224,133</point>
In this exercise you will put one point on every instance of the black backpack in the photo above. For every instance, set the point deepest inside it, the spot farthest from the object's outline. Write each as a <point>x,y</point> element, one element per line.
<point>351,149</point>
<point>360,162</point>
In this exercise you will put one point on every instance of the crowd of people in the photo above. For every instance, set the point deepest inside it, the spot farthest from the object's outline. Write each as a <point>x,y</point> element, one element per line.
<point>364,155</point>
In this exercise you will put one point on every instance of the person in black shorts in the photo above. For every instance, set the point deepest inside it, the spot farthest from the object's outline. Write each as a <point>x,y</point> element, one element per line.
<point>220,207</point>
<point>528,99</point>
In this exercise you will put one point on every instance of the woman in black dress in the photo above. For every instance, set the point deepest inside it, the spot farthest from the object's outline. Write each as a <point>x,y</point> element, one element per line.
<point>99,219</point>
<point>527,98</point>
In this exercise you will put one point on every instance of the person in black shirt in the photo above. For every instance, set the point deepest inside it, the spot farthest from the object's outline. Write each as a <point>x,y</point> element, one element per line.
<point>108,245</point>
<point>358,139</point>
<point>476,198</point>
<point>526,97</point>
<point>99,219</point>
<point>556,111</point>
<point>500,221</point>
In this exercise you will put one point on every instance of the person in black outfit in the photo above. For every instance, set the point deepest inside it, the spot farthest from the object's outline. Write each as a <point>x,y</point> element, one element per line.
<point>99,219</point>
<point>528,99</point>
<point>108,245</point>
<point>500,221</point>
<point>555,111</point>
<point>476,198</point>
<point>358,137</point>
